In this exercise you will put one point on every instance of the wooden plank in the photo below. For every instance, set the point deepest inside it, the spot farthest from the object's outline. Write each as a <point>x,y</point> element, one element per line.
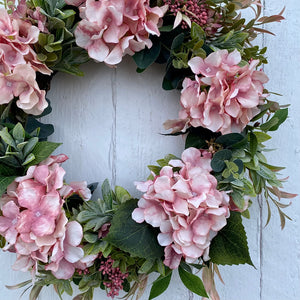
<point>280,249</point>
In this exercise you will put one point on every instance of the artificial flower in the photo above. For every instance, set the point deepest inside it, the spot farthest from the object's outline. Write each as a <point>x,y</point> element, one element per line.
<point>224,96</point>
<point>111,29</point>
<point>186,206</point>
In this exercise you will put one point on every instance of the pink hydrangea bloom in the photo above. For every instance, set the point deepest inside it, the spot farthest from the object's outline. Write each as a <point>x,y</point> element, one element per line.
<point>19,63</point>
<point>34,223</point>
<point>111,29</point>
<point>186,206</point>
<point>232,97</point>
<point>66,252</point>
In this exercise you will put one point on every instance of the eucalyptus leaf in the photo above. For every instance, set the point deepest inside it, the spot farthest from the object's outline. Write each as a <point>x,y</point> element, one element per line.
<point>217,162</point>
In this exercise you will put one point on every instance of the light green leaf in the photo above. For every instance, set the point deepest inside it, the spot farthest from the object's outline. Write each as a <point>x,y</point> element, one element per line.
<point>19,133</point>
<point>122,195</point>
<point>28,159</point>
<point>146,266</point>
<point>7,138</point>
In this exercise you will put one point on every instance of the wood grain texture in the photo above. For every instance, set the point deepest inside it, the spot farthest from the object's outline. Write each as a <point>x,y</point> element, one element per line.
<point>110,122</point>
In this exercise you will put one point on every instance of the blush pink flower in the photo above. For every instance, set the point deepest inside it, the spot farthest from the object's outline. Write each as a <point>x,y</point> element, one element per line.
<point>111,29</point>
<point>186,206</point>
<point>8,223</point>
<point>19,64</point>
<point>80,188</point>
<point>42,210</point>
<point>33,220</point>
<point>66,252</point>
<point>224,97</point>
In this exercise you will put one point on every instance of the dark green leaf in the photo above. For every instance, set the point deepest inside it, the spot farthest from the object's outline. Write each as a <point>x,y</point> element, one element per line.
<point>45,129</point>
<point>2,241</point>
<point>138,239</point>
<point>160,285</point>
<point>193,140</point>
<point>4,182</point>
<point>192,282</point>
<point>177,42</point>
<point>228,140</point>
<point>147,57</point>
<point>230,246</point>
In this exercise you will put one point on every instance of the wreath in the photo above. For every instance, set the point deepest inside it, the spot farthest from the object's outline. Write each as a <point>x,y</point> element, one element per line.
<point>189,215</point>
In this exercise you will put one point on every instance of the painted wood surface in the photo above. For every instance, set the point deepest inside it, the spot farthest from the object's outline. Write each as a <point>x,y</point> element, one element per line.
<point>110,123</point>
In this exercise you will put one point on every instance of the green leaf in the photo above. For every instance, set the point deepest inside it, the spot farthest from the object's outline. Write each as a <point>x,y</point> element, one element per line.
<point>90,237</point>
<point>138,239</point>
<point>30,145</point>
<point>193,140</point>
<point>192,282</point>
<point>146,266</point>
<point>230,246</point>
<point>160,285</point>
<point>96,248</point>
<point>43,150</point>
<point>147,57</point>
<point>197,32</point>
<point>228,140</point>
<point>35,291</point>
<point>2,241</point>
<point>28,159</point>
<point>262,136</point>
<point>155,169</point>
<point>107,193</point>
<point>7,138</point>
<point>19,133</point>
<point>178,40</point>
<point>5,182</point>
<point>217,162</point>
<point>253,143</point>
<point>94,214</point>
<point>122,195</point>
<point>278,118</point>
<point>238,199</point>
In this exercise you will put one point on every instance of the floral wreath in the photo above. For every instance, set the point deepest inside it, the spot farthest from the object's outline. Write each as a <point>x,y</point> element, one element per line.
<point>189,216</point>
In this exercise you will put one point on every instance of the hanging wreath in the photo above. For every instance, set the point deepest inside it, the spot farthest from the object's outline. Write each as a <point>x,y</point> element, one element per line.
<point>189,215</point>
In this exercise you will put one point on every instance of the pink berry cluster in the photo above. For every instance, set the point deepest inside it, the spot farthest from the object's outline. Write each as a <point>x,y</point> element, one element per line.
<point>83,272</point>
<point>196,10</point>
<point>115,277</point>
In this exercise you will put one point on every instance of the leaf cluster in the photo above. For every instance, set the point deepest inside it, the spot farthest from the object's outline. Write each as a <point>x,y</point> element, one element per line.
<point>18,151</point>
<point>57,48</point>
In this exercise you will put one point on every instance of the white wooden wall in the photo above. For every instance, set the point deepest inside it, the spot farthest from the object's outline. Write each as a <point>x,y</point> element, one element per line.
<point>110,122</point>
